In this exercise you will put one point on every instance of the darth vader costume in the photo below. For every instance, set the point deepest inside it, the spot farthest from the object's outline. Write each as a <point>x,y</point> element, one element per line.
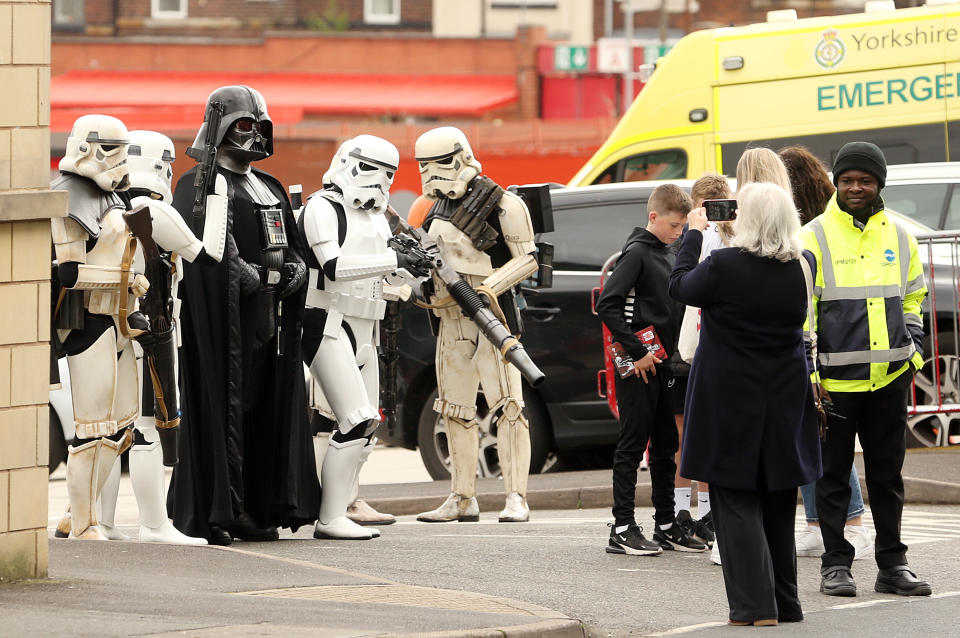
<point>247,463</point>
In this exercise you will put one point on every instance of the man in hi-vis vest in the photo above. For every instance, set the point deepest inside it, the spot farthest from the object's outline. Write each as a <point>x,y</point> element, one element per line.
<point>866,299</point>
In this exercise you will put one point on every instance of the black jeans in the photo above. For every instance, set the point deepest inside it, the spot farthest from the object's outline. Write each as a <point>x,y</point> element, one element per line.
<point>880,419</point>
<point>755,533</point>
<point>646,414</point>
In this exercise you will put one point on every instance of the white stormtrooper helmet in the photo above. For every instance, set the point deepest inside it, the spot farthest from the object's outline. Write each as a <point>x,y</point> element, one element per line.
<point>447,163</point>
<point>363,169</point>
<point>97,148</point>
<point>150,157</point>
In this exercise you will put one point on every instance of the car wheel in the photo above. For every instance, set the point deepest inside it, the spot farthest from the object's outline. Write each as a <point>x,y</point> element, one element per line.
<point>58,447</point>
<point>435,449</point>
<point>937,378</point>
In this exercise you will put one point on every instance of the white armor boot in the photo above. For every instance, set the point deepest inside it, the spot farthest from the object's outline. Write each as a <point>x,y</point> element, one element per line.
<point>461,505</point>
<point>88,466</point>
<point>513,447</point>
<point>147,477</point>
<point>108,505</point>
<point>359,511</point>
<point>340,464</point>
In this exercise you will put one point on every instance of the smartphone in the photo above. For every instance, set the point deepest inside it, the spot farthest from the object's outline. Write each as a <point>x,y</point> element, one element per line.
<point>720,210</point>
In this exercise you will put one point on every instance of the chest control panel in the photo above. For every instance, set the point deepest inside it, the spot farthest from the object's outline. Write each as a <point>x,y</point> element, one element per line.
<point>274,233</point>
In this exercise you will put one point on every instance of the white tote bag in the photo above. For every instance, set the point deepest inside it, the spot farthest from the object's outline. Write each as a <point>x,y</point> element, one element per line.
<point>689,333</point>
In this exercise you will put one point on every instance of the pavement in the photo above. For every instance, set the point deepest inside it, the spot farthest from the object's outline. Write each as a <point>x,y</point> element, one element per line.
<point>548,577</point>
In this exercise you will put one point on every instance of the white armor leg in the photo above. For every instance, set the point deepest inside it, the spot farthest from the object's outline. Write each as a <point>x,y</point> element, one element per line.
<point>93,381</point>
<point>340,465</point>
<point>88,466</point>
<point>503,389</point>
<point>457,384</point>
<point>147,477</point>
<point>336,367</point>
<point>108,505</point>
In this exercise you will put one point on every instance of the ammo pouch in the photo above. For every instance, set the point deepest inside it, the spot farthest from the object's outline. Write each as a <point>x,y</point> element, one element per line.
<point>482,199</point>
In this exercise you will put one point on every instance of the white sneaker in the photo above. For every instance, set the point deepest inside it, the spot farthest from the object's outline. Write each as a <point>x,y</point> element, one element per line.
<point>715,553</point>
<point>810,542</point>
<point>860,538</point>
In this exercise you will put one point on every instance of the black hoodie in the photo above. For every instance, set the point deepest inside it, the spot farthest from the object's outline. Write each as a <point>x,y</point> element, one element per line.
<point>635,294</point>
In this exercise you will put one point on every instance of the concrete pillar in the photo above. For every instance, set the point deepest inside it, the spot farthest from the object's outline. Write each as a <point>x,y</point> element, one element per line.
<point>26,206</point>
<point>528,38</point>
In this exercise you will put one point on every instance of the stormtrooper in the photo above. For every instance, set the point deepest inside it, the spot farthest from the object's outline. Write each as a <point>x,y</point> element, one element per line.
<point>352,273</point>
<point>150,158</point>
<point>97,317</point>
<point>486,235</point>
<point>247,453</point>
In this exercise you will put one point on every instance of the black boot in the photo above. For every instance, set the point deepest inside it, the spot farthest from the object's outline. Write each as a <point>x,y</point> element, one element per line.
<point>902,581</point>
<point>219,536</point>
<point>244,528</point>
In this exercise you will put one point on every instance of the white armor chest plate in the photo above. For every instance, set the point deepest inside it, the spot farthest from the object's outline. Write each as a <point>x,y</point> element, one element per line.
<point>366,235</point>
<point>108,251</point>
<point>458,250</point>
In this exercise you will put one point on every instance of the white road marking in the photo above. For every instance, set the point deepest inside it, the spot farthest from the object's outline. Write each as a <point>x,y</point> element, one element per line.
<point>683,630</point>
<point>868,603</point>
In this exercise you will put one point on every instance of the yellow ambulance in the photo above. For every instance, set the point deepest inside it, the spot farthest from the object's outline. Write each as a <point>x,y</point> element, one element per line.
<point>888,76</point>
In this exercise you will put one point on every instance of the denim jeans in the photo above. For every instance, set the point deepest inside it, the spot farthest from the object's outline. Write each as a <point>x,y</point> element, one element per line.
<point>855,508</point>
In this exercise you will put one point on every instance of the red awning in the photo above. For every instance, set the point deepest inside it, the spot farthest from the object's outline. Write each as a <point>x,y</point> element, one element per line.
<point>169,101</point>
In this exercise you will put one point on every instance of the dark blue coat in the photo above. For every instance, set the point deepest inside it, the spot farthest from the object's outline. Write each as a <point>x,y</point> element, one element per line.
<point>750,421</point>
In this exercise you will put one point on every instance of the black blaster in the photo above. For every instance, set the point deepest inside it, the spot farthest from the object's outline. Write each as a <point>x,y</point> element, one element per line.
<point>206,177</point>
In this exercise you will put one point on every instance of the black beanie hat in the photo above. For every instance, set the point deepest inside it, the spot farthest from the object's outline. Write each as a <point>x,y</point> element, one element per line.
<point>862,156</point>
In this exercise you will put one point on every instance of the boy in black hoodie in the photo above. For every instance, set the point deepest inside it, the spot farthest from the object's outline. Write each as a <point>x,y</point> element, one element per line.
<point>635,296</point>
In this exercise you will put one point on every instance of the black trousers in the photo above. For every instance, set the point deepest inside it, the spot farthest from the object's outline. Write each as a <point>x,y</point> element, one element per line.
<point>880,419</point>
<point>646,415</point>
<point>759,558</point>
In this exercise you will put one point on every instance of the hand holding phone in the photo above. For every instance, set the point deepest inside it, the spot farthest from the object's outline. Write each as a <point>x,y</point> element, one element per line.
<point>720,210</point>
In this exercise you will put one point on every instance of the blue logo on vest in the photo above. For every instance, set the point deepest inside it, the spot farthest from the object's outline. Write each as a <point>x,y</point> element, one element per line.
<point>889,255</point>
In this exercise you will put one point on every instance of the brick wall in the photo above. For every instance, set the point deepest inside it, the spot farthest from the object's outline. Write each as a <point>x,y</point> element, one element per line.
<point>26,206</point>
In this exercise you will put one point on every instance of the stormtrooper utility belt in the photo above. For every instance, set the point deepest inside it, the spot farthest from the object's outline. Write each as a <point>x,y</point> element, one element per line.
<point>339,305</point>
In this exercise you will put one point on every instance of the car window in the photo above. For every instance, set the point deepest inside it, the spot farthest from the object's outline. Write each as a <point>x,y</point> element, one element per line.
<point>922,202</point>
<point>953,212</point>
<point>585,236</point>
<point>658,165</point>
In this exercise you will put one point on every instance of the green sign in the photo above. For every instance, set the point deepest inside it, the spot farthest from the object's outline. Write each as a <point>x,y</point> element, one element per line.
<point>567,58</point>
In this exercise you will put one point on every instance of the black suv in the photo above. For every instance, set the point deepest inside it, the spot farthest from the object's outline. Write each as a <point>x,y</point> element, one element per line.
<point>561,334</point>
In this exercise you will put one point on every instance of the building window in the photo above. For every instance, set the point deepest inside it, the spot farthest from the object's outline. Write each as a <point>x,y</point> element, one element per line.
<point>68,13</point>
<point>168,8</point>
<point>381,11</point>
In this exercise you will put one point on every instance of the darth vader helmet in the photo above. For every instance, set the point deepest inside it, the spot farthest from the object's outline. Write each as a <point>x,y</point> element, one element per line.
<point>245,128</point>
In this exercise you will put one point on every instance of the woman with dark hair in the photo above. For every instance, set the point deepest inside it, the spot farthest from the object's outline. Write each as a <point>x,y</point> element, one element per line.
<point>809,181</point>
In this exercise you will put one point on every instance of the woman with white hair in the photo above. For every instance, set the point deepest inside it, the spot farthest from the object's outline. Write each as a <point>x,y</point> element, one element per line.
<point>751,425</point>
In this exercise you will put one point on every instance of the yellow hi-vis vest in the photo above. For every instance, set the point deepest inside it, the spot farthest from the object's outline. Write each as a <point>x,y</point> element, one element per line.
<point>866,299</point>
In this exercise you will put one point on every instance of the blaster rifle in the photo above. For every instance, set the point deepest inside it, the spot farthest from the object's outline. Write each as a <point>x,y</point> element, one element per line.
<point>206,176</point>
<point>469,300</point>
<point>159,343</point>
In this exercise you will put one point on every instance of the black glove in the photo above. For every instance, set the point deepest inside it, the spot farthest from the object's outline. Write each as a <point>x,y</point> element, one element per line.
<point>413,264</point>
<point>293,276</point>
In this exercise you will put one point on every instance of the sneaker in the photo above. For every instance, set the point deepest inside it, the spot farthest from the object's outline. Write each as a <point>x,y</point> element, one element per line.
<point>697,529</point>
<point>715,554</point>
<point>703,530</point>
<point>631,541</point>
<point>810,542</point>
<point>678,538</point>
<point>861,540</point>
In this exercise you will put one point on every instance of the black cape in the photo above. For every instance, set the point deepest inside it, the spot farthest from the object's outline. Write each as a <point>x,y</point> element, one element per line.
<point>263,464</point>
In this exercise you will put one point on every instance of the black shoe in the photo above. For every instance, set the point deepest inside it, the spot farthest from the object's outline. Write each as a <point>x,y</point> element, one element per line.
<point>678,538</point>
<point>244,528</point>
<point>836,580</point>
<point>218,536</point>
<point>631,541</point>
<point>700,530</point>
<point>902,581</point>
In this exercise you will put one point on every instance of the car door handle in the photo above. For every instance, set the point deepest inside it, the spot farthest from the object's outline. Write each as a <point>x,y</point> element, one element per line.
<point>546,312</point>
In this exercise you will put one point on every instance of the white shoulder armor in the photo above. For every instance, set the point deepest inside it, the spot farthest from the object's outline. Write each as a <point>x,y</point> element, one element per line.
<point>516,226</point>
<point>169,230</point>
<point>321,228</point>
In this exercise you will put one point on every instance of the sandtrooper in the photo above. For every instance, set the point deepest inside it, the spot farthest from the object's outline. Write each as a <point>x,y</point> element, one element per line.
<point>96,315</point>
<point>150,158</point>
<point>486,235</point>
<point>344,226</point>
